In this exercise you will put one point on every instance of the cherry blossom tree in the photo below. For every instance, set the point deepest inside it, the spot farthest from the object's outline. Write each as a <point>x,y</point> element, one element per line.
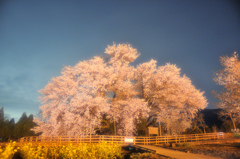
<point>229,78</point>
<point>172,97</point>
<point>125,107</point>
<point>74,103</point>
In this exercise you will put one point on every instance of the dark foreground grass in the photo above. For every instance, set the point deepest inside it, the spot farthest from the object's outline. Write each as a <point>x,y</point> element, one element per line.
<point>223,150</point>
<point>132,153</point>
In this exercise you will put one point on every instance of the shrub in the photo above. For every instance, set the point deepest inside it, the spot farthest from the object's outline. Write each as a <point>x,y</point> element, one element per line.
<point>185,144</point>
<point>143,156</point>
<point>237,135</point>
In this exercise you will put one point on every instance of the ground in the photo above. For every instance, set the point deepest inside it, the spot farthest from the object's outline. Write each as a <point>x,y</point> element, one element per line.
<point>226,149</point>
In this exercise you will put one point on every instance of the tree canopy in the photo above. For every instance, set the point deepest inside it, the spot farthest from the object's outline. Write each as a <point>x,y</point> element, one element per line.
<point>229,78</point>
<point>74,103</point>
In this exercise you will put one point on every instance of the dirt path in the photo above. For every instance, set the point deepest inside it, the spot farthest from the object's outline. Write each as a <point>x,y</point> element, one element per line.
<point>176,154</point>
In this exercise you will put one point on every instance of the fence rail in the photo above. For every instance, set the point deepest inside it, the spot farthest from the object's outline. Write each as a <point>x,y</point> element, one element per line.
<point>154,140</point>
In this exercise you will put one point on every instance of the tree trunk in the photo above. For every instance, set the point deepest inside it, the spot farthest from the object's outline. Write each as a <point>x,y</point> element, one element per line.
<point>234,125</point>
<point>159,127</point>
<point>115,130</point>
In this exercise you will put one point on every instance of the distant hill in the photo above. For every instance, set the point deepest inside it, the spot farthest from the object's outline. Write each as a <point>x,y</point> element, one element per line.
<point>211,117</point>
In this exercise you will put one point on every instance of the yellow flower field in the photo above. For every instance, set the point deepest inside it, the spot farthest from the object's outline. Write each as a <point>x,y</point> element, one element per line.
<point>70,151</point>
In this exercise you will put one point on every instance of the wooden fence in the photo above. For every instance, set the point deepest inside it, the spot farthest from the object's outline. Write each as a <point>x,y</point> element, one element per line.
<point>154,140</point>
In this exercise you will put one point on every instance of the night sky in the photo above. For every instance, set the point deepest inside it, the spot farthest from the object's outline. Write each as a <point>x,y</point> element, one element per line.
<point>39,37</point>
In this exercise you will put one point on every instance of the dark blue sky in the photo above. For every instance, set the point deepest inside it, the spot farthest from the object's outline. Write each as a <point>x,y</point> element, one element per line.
<point>38,38</point>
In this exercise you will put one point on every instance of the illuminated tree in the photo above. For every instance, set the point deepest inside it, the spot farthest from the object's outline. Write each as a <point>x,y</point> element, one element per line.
<point>229,78</point>
<point>75,102</point>
<point>125,106</point>
<point>172,97</point>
